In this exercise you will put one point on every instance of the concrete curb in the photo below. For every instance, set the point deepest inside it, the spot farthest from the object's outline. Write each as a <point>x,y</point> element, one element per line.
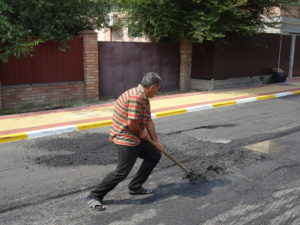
<point>105,123</point>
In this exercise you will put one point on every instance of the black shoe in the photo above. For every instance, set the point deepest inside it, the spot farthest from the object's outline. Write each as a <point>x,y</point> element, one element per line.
<point>140,191</point>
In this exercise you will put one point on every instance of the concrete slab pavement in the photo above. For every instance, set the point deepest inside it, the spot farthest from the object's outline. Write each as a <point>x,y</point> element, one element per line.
<point>39,124</point>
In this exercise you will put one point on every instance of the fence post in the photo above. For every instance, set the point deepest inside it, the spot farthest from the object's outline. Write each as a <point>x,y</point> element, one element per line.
<point>90,64</point>
<point>1,106</point>
<point>186,48</point>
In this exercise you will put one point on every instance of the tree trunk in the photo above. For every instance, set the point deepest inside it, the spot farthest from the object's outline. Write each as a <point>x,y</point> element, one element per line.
<point>186,48</point>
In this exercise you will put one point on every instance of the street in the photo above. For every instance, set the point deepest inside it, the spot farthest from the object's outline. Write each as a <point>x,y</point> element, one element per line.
<point>246,158</point>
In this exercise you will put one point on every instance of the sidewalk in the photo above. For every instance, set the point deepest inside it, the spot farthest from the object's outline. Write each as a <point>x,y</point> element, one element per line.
<point>39,124</point>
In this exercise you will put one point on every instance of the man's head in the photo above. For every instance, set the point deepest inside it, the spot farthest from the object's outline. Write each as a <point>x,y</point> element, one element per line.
<point>151,83</point>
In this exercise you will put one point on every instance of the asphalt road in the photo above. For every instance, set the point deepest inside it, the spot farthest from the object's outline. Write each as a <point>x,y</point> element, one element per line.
<point>246,158</point>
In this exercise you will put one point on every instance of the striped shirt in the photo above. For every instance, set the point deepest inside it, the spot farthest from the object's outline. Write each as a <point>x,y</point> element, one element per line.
<point>133,104</point>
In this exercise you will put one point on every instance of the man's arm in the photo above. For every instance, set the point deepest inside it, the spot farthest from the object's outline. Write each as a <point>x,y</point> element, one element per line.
<point>134,126</point>
<point>152,133</point>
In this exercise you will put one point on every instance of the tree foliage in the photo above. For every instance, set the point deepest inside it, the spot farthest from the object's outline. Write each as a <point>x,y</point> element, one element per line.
<point>198,20</point>
<point>25,23</point>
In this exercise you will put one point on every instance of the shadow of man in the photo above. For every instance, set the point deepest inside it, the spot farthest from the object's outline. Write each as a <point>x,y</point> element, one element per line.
<point>191,190</point>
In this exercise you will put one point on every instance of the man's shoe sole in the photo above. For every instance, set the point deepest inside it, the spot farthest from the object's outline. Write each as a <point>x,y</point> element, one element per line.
<point>142,192</point>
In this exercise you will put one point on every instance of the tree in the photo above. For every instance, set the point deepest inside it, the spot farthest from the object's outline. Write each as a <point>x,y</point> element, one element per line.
<point>190,21</point>
<point>26,23</point>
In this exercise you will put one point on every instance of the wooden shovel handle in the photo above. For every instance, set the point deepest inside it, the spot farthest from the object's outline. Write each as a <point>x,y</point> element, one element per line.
<point>171,157</point>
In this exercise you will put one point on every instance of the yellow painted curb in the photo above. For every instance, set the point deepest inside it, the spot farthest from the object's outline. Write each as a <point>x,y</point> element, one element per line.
<point>265,97</point>
<point>224,103</point>
<point>171,112</point>
<point>13,137</point>
<point>295,92</point>
<point>85,126</point>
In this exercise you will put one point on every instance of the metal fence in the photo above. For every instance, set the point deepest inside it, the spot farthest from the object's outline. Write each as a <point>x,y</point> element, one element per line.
<point>47,64</point>
<point>122,65</point>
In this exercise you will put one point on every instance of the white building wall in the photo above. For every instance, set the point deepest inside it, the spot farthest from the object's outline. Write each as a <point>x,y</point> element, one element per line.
<point>110,34</point>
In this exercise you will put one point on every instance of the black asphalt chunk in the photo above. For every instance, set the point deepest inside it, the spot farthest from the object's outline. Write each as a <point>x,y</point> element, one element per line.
<point>205,159</point>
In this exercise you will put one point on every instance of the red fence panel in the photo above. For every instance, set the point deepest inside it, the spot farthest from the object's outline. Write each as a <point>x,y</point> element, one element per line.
<point>203,60</point>
<point>46,65</point>
<point>241,58</point>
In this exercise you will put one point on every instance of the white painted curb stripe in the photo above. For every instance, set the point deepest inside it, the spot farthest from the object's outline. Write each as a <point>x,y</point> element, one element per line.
<point>78,127</point>
<point>283,94</point>
<point>199,108</point>
<point>245,100</point>
<point>153,116</point>
<point>51,131</point>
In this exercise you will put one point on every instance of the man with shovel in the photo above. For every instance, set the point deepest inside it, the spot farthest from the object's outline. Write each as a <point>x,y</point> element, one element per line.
<point>131,128</point>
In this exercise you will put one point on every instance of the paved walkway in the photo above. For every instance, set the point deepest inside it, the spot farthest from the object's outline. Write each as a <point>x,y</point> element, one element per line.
<point>38,124</point>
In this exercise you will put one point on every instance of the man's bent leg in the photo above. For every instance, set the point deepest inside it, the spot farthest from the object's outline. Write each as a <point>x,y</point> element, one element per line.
<point>126,159</point>
<point>151,157</point>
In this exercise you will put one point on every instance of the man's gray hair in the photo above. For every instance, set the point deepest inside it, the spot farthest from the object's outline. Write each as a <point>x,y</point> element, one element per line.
<point>150,78</point>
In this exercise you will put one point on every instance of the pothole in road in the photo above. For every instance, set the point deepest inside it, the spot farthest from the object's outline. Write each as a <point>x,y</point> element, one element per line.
<point>212,167</point>
<point>74,150</point>
<point>206,159</point>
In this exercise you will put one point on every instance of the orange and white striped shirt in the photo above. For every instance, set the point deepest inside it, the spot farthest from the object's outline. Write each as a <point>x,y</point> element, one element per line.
<point>132,104</point>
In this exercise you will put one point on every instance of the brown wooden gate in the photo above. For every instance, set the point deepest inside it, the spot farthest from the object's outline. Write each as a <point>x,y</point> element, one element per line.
<point>123,64</point>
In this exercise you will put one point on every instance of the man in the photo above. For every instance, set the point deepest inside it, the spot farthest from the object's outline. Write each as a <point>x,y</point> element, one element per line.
<point>131,127</point>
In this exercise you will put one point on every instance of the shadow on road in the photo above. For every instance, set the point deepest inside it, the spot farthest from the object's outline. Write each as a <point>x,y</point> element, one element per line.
<point>165,191</point>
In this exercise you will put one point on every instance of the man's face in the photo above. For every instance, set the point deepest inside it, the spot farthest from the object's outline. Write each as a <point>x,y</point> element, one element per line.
<point>153,90</point>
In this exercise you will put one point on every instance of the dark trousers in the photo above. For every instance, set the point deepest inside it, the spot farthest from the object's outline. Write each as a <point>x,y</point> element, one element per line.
<point>127,157</point>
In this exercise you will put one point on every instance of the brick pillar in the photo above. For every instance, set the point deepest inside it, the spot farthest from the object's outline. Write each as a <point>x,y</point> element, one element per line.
<point>90,64</point>
<point>1,106</point>
<point>186,48</point>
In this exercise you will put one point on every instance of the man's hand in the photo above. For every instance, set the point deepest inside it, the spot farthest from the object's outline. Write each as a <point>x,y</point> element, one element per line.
<point>143,135</point>
<point>158,145</point>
